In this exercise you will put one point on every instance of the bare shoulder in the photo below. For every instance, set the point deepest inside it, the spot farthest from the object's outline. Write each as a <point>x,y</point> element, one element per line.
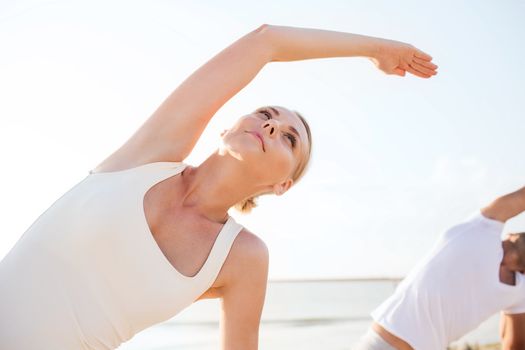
<point>249,247</point>
<point>247,261</point>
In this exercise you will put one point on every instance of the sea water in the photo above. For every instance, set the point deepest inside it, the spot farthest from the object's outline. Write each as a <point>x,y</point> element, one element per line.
<point>306,315</point>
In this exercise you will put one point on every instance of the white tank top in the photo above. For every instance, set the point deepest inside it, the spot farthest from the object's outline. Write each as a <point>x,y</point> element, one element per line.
<point>88,274</point>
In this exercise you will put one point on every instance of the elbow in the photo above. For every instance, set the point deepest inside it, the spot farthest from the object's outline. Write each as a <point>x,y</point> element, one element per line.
<point>263,28</point>
<point>264,38</point>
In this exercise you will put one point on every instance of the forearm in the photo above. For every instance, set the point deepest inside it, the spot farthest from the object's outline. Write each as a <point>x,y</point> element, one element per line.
<point>507,206</point>
<point>516,202</point>
<point>291,44</point>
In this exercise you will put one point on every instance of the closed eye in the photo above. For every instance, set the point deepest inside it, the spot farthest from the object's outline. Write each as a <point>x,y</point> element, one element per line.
<point>292,139</point>
<point>266,113</point>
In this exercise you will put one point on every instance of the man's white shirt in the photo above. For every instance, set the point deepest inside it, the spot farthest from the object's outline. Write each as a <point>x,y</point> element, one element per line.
<point>453,289</point>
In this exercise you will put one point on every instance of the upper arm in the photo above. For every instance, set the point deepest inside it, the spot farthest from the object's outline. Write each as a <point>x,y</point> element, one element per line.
<point>506,207</point>
<point>171,132</point>
<point>512,331</point>
<point>243,294</point>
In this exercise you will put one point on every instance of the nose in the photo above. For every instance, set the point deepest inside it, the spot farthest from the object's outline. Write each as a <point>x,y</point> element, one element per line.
<point>271,127</point>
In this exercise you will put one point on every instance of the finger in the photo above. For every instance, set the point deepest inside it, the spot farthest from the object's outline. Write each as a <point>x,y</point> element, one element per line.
<point>422,69</point>
<point>422,55</point>
<point>425,63</point>
<point>400,72</point>
<point>417,73</point>
<point>411,69</point>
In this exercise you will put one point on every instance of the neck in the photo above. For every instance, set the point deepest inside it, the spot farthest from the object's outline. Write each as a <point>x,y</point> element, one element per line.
<point>216,185</point>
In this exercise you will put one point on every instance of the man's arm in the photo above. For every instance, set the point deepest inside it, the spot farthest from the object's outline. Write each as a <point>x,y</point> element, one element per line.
<point>512,331</point>
<point>506,207</point>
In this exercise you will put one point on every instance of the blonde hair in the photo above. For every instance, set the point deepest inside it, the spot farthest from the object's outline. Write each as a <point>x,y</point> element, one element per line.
<point>246,206</point>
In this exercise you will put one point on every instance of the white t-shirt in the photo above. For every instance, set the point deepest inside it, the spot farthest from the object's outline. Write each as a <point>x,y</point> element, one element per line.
<point>453,289</point>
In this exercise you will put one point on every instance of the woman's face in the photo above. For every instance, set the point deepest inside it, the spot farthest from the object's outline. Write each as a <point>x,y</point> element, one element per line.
<point>272,141</point>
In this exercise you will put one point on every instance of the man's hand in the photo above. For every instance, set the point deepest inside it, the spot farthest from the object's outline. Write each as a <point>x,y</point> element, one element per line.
<point>394,57</point>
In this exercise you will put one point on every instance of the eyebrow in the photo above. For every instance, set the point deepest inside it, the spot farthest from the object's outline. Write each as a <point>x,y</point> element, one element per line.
<point>274,110</point>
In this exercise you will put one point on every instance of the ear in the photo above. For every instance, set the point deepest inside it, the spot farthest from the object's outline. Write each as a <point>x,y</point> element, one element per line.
<point>282,187</point>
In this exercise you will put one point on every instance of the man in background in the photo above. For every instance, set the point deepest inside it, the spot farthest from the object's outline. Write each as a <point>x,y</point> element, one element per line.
<point>470,274</point>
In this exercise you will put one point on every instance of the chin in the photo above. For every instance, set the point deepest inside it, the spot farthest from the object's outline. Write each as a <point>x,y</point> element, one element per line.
<point>247,154</point>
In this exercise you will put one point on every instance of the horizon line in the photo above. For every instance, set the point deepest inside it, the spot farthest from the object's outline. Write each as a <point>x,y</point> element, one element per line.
<point>336,279</point>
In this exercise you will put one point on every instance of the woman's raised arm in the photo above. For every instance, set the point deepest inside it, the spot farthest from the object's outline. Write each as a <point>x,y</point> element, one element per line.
<point>172,131</point>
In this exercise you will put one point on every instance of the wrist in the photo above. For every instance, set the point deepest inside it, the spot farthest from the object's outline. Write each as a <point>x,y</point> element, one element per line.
<point>374,48</point>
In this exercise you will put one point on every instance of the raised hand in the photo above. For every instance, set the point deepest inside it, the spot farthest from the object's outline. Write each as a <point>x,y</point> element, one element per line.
<point>395,57</point>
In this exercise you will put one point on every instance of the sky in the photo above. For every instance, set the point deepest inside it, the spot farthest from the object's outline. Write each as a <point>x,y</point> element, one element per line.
<point>395,161</point>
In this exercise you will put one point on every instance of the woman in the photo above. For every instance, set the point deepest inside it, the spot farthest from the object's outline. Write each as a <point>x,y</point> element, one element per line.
<point>145,235</point>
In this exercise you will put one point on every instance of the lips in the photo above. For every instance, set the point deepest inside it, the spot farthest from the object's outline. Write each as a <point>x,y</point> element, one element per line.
<point>259,136</point>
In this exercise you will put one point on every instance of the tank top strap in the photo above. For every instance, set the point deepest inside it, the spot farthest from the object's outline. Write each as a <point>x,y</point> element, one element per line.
<point>219,252</point>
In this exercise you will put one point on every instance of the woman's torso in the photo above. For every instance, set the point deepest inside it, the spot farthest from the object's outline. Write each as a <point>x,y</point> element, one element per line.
<point>102,263</point>
<point>184,237</point>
